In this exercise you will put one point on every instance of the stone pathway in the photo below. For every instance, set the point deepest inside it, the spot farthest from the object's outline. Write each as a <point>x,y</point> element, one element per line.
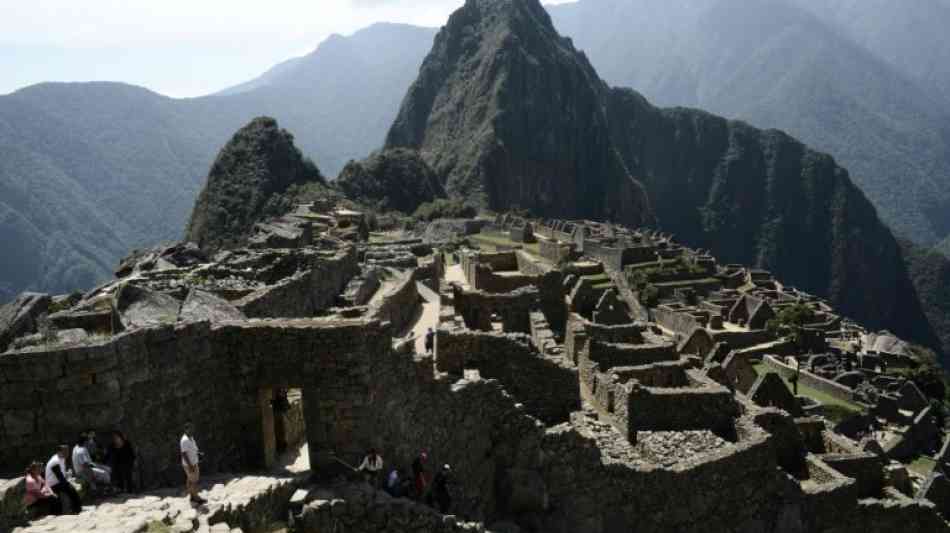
<point>455,274</point>
<point>429,318</point>
<point>134,513</point>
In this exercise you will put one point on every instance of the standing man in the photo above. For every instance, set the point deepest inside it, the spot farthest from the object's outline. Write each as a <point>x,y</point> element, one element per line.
<point>430,341</point>
<point>56,479</point>
<point>189,461</point>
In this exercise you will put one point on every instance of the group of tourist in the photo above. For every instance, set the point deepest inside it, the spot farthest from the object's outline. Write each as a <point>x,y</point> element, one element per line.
<point>419,487</point>
<point>99,470</point>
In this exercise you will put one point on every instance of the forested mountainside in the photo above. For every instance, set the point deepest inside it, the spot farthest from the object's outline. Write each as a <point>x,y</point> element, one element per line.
<point>777,65</point>
<point>509,115</point>
<point>247,180</point>
<point>89,171</point>
<point>390,180</point>
<point>909,36</point>
<point>752,196</point>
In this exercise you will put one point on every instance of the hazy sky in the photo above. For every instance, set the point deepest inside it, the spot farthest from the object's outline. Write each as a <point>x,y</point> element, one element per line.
<point>180,47</point>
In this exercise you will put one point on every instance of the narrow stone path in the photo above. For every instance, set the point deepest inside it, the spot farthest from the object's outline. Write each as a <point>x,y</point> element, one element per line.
<point>429,318</point>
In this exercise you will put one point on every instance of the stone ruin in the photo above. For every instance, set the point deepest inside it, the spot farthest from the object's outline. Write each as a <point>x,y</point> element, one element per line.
<point>563,399</point>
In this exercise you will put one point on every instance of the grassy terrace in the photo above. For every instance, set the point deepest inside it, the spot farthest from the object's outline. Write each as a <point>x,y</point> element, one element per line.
<point>490,241</point>
<point>832,408</point>
<point>923,465</point>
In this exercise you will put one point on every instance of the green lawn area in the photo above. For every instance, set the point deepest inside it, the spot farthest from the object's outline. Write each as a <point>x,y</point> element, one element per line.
<point>923,465</point>
<point>491,241</point>
<point>832,408</point>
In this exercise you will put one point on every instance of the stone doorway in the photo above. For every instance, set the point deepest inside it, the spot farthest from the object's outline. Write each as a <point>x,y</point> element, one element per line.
<point>283,427</point>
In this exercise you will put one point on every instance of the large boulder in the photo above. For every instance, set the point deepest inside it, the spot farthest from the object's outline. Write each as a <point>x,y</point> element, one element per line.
<point>19,317</point>
<point>201,305</point>
<point>139,307</point>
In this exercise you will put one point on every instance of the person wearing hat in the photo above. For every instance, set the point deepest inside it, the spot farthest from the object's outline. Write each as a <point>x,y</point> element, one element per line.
<point>440,489</point>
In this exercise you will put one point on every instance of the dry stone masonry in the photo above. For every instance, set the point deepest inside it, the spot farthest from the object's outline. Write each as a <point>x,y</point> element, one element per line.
<point>588,378</point>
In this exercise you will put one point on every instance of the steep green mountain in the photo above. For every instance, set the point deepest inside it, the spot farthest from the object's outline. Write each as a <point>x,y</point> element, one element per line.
<point>775,64</point>
<point>89,171</point>
<point>396,179</point>
<point>247,181</point>
<point>754,196</point>
<point>508,114</point>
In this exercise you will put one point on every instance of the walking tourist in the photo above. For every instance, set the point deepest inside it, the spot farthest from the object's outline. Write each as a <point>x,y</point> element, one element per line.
<point>121,456</point>
<point>372,465</point>
<point>189,461</point>
<point>56,479</point>
<point>39,498</point>
<point>430,341</point>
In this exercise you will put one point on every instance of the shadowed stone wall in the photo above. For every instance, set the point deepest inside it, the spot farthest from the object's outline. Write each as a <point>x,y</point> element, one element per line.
<point>150,381</point>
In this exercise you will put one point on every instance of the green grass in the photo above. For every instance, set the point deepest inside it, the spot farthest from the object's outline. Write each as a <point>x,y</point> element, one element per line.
<point>832,408</point>
<point>923,465</point>
<point>158,527</point>
<point>493,240</point>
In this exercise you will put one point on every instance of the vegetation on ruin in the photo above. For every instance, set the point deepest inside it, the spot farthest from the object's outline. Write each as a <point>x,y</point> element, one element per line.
<point>444,208</point>
<point>831,408</point>
<point>388,180</point>
<point>790,320</point>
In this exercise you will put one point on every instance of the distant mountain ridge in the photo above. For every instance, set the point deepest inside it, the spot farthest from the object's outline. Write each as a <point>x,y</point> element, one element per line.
<point>778,65</point>
<point>89,171</point>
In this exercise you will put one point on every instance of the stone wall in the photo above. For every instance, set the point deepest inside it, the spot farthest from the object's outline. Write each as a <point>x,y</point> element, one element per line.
<point>477,307</point>
<point>400,304</point>
<point>738,340</point>
<point>677,321</point>
<point>305,293</point>
<point>609,354</point>
<point>149,382</point>
<point>733,489</point>
<point>377,514</point>
<point>805,377</point>
<point>545,385</point>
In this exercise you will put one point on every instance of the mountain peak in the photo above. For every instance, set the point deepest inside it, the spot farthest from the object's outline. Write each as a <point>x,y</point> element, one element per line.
<point>253,170</point>
<point>509,114</point>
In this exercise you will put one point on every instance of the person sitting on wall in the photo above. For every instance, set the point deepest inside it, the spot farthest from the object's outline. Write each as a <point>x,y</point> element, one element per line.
<point>56,479</point>
<point>39,498</point>
<point>88,437</point>
<point>121,457</point>
<point>372,465</point>
<point>394,483</point>
<point>189,461</point>
<point>91,474</point>
<point>420,477</point>
<point>430,341</point>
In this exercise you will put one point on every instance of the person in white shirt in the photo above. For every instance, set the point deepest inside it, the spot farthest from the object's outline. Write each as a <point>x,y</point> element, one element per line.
<point>189,461</point>
<point>56,479</point>
<point>373,466</point>
<point>86,470</point>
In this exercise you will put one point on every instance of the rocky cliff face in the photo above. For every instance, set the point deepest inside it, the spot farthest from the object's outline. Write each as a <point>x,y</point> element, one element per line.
<point>507,111</point>
<point>508,114</point>
<point>761,197</point>
<point>247,180</point>
<point>390,179</point>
